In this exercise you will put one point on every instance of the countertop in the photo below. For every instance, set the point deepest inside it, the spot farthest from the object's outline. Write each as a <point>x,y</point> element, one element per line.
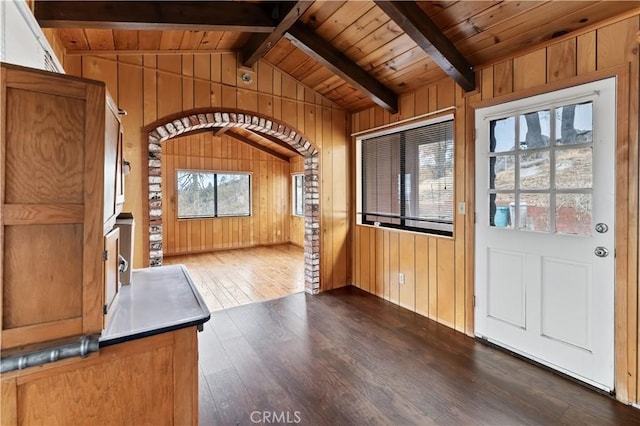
<point>158,300</point>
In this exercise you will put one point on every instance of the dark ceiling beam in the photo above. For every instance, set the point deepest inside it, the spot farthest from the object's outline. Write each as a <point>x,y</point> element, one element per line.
<point>259,44</point>
<point>157,15</point>
<point>417,25</point>
<point>256,145</point>
<point>323,52</point>
<point>275,141</point>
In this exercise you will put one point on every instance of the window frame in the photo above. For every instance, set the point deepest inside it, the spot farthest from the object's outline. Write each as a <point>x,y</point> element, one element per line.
<point>434,227</point>
<point>294,197</point>
<point>215,215</point>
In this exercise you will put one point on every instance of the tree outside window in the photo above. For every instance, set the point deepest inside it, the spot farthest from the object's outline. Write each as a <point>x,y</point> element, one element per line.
<point>209,194</point>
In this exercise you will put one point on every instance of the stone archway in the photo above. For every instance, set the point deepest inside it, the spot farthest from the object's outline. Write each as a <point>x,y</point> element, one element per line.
<point>198,119</point>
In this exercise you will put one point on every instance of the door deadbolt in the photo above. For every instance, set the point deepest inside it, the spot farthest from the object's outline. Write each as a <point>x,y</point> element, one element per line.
<point>601,252</point>
<point>601,228</point>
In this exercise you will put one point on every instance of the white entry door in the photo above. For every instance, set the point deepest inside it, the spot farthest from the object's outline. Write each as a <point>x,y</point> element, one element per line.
<point>545,260</point>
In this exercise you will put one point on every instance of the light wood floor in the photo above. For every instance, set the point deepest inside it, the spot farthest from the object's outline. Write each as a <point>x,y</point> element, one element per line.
<point>237,277</point>
<point>345,357</point>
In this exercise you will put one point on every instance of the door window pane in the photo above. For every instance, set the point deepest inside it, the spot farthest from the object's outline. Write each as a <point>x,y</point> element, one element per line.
<point>534,212</point>
<point>503,134</point>
<point>503,174</point>
<point>573,214</point>
<point>535,130</point>
<point>574,168</point>
<point>500,214</point>
<point>534,170</point>
<point>574,124</point>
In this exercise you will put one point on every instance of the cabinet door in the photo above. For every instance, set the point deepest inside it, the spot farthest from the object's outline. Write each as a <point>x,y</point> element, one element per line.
<point>120,174</point>
<point>112,163</point>
<point>50,275</point>
<point>111,270</point>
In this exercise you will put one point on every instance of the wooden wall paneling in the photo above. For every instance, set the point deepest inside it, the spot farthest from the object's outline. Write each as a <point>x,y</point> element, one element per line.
<point>341,207</point>
<point>433,98</point>
<point>433,278</point>
<point>357,244</point>
<point>446,94</point>
<point>616,42</point>
<point>187,82</point>
<point>407,290</point>
<point>503,78</point>
<point>486,77</point>
<point>386,264</point>
<point>422,100</point>
<point>586,53</point>
<point>372,260</point>
<point>562,60</point>
<point>72,64</point>
<point>379,263</point>
<point>130,85</point>
<point>229,69</point>
<point>422,274</point>
<point>365,248</point>
<point>407,105</point>
<point>394,267</point>
<point>530,70</point>
<point>446,282</point>
<point>103,69</point>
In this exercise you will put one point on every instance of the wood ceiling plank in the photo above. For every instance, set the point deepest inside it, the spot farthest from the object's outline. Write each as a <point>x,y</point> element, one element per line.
<point>232,40</point>
<point>361,28</point>
<point>171,39</point>
<point>343,18</point>
<point>293,59</point>
<point>73,38</point>
<point>125,39</point>
<point>210,39</point>
<point>381,36</point>
<point>399,63</point>
<point>517,39</point>
<point>191,39</point>
<point>333,59</point>
<point>100,39</point>
<point>429,37</point>
<point>156,15</point>
<point>459,12</point>
<point>279,52</point>
<point>259,44</point>
<point>489,18</point>
<point>149,40</point>
<point>319,12</point>
<point>387,52</point>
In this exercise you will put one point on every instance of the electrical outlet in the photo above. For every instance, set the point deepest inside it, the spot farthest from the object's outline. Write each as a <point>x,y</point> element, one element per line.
<point>401,278</point>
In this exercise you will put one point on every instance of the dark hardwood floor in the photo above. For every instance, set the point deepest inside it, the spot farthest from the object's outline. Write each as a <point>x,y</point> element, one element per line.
<point>348,358</point>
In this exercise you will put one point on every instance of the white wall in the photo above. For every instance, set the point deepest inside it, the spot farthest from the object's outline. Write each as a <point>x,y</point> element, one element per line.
<point>21,39</point>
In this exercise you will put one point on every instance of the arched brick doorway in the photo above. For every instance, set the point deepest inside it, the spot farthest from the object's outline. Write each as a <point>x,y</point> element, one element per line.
<point>195,120</point>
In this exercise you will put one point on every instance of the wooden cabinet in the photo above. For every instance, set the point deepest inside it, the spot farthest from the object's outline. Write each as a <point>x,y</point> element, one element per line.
<point>60,161</point>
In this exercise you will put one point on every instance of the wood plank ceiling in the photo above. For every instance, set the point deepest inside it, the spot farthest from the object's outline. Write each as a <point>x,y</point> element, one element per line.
<point>371,57</point>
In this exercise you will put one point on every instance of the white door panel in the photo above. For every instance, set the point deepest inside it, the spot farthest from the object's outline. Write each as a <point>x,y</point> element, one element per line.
<point>541,290</point>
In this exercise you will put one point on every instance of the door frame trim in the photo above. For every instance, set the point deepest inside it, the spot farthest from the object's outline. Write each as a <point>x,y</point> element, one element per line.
<point>626,214</point>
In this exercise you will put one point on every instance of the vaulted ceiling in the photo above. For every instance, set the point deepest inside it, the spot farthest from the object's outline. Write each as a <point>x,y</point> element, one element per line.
<point>356,53</point>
